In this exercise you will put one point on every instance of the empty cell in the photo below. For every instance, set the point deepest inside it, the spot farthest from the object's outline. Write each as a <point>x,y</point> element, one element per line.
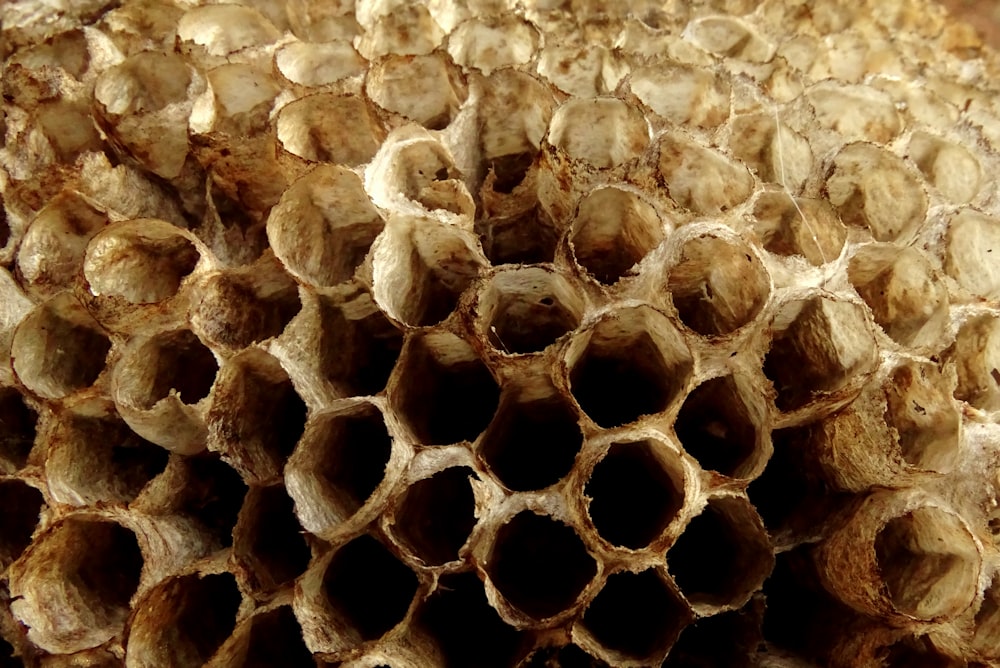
<point>769,147</point>
<point>525,310</point>
<point>241,99</point>
<point>465,628</point>
<point>357,348</point>
<point>275,641</point>
<point>443,390</point>
<point>582,71</point>
<point>699,644</point>
<point>539,565</point>
<point>855,112</point>
<point>976,353</point>
<point>225,29</point>
<point>926,419</point>
<point>323,226</point>
<point>825,345</point>
<point>257,416</point>
<point>368,588</point>
<point>700,178</point>
<point>268,540</point>
<point>435,516</point>
<point>172,626</point>
<point>59,348</point>
<point>326,127</point>
<point>803,226</point>
<point>986,626</point>
<point>533,441</point>
<point>723,556</point>
<point>415,171</point>
<point>524,237</point>
<point>717,427</point>
<point>168,364</point>
<point>18,423</point>
<point>567,656</point>
<point>636,615</point>
<point>210,492</point>
<point>683,94</point>
<point>948,166</point>
<point>407,30</point>
<point>318,63</point>
<point>873,188</point>
<point>427,89</point>
<point>973,239</point>
<point>21,505</point>
<point>492,42</point>
<point>602,132</point>
<point>613,230</point>
<point>717,285</point>
<point>635,492</point>
<point>628,365</point>
<point>918,651</point>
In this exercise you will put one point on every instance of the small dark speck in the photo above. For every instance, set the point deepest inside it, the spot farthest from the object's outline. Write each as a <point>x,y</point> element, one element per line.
<point>546,301</point>
<point>996,376</point>
<point>441,174</point>
<point>920,409</point>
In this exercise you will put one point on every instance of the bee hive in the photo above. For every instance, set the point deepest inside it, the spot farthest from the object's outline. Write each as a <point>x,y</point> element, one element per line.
<point>488,333</point>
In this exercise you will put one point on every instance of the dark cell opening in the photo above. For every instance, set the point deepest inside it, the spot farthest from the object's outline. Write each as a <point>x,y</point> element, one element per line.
<point>369,587</point>
<point>276,642</point>
<point>715,427</point>
<point>634,494</point>
<point>79,357</point>
<point>509,170</point>
<point>356,449</point>
<point>21,504</point>
<point>183,364</point>
<point>4,226</point>
<point>7,657</point>
<point>614,229</point>
<point>467,631</point>
<point>525,324</point>
<point>524,238</point>
<point>539,565</point>
<point>205,616</point>
<point>275,545</point>
<point>212,494</point>
<point>531,445</point>
<point>108,566</point>
<point>916,652</point>
<point>437,515</point>
<point>699,645</point>
<point>568,656</point>
<point>17,427</point>
<point>636,614</point>
<point>357,354</point>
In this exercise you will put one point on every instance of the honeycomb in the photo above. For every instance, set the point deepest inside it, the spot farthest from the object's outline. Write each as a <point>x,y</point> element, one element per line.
<point>528,333</point>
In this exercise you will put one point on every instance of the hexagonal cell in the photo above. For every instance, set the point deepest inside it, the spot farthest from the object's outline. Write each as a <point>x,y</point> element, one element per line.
<point>492,42</point>
<point>798,226</point>
<point>526,310</point>
<point>524,237</point>
<point>582,71</point>
<point>921,410</point>
<point>338,464</point>
<point>717,285</point>
<point>637,616</point>
<point>602,132</point>
<point>730,37</point>
<point>168,364</point>
<point>367,589</point>
<point>683,94</point>
<point>202,488</point>
<point>976,353</point>
<point>631,363</point>
<point>414,172</point>
<point>949,167</point>
<point>699,643</point>
<point>533,440</point>
<point>96,566</point>
<point>723,556</point>
<point>635,492</point>
<point>539,565</point>
<point>426,89</point>
<point>819,347</point>
<point>22,505</point>
<point>968,257</point>
<point>318,63</point>
<point>273,639</point>
<point>986,633</point>
<point>59,348</point>
<point>700,178</point>
<point>613,230</point>
<point>406,30</point>
<point>326,127</point>
<point>463,626</point>
<point>718,425</point>
<point>240,100</point>
<point>903,292</point>
<point>855,112</point>
<point>420,270</point>
<point>257,416</point>
<point>170,627</point>
<point>18,423</point>
<point>873,188</point>
<point>268,541</point>
<point>435,515</point>
<point>323,226</point>
<point>443,390</point>
<point>769,147</point>
<point>225,29</point>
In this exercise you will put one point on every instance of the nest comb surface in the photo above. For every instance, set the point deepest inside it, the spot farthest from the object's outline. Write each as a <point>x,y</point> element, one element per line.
<point>493,333</point>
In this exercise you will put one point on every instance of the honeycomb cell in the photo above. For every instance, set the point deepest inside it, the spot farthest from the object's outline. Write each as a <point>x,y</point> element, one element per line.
<point>717,285</point>
<point>700,178</point>
<point>338,464</point>
<point>318,63</point>
<point>582,71</point>
<point>968,256</point>
<point>636,616</point>
<point>874,189</point>
<point>699,643</point>
<point>240,100</point>
<point>907,299</point>
<point>523,237</point>
<point>730,37</point>
<point>921,410</point>
<point>420,270</point>
<point>539,565</point>
<point>268,542</point>
<point>914,650</point>
<point>22,505</point>
<point>170,627</point>
<point>367,589</point>
<point>526,310</point>
<point>533,440</point>
<point>798,226</point>
<point>408,30</point>
<point>435,515</point>
<point>257,416</point>
<point>326,127</point>
<point>631,364</point>
<point>723,556</point>
<point>567,656</point>
<point>169,364</point>
<point>602,132</point>
<point>683,94</point>
<point>489,43</point>
<point>210,492</point>
<point>271,639</point>
<point>946,165</point>
<point>635,492</point>
<point>59,348</point>
<point>613,230</point>
<point>769,147</point>
<point>855,112</point>
<point>72,589</point>
<point>225,29</point>
<point>426,89</point>
<point>18,423</point>
<point>986,625</point>
<point>443,390</point>
<point>463,626</point>
<point>820,346</point>
<point>718,425</point>
<point>976,353</point>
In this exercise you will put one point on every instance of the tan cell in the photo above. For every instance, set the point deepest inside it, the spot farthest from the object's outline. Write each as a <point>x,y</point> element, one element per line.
<point>23,505</point>
<point>774,151</point>
<point>317,64</point>
<point>326,127</point>
<point>408,30</point>
<point>968,253</point>
<point>948,166</point>
<point>489,43</point>
<point>986,629</point>
<point>728,36</point>
<point>222,30</point>
<point>238,100</point>
<point>268,638</point>
<point>428,89</point>
<point>269,546</point>
<point>18,429</point>
<point>683,94</point>
<point>855,112</point>
<point>700,178</point>
<point>586,71</point>
<point>803,226</point>
<point>601,132</point>
<point>976,356</point>
<point>435,516</point>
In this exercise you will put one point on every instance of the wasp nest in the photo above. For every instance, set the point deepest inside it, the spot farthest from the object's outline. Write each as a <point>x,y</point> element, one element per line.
<point>488,333</point>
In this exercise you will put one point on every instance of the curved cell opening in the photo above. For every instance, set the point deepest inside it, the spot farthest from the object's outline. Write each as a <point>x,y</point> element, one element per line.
<point>22,504</point>
<point>527,309</point>
<point>436,515</point>
<point>18,424</point>
<point>358,347</point>
<point>602,132</point>
<point>170,363</point>
<point>717,428</point>
<point>803,226</point>
<point>275,642</point>
<point>210,492</point>
<point>326,127</point>
<point>269,539</point>
<point>613,230</point>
